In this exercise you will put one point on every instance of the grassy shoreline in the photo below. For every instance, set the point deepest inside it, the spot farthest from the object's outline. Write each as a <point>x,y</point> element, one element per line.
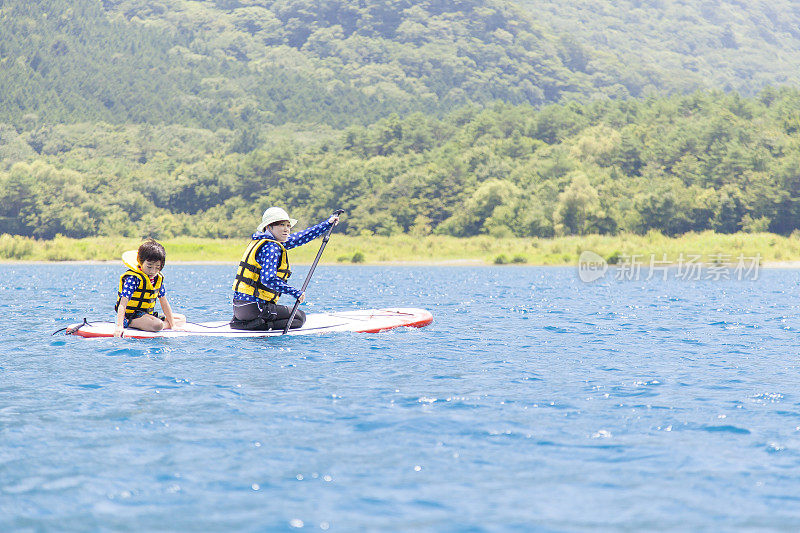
<point>434,249</point>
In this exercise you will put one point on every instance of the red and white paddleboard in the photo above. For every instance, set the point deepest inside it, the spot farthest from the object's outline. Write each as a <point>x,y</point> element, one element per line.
<point>366,321</point>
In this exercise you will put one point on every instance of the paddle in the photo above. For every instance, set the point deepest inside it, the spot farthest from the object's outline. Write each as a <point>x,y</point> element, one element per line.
<point>311,272</point>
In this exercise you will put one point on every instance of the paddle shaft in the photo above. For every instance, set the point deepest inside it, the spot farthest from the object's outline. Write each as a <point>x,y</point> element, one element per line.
<point>325,240</point>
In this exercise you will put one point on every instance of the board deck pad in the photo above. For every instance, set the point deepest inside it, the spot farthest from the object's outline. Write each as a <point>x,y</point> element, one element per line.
<point>365,321</point>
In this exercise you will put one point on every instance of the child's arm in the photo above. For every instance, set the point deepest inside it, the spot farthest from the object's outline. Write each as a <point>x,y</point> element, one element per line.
<point>309,234</point>
<point>123,303</point>
<point>169,320</point>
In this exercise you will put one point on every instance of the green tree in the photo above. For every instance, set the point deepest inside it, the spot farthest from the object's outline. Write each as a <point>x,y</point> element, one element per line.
<point>578,208</point>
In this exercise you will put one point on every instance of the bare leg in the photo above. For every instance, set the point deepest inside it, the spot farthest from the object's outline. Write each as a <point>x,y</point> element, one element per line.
<point>147,323</point>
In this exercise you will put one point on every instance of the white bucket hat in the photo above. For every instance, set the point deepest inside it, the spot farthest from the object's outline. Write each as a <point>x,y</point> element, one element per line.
<point>273,215</point>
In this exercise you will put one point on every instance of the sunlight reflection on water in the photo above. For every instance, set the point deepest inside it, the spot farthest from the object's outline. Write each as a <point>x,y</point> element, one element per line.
<point>533,400</point>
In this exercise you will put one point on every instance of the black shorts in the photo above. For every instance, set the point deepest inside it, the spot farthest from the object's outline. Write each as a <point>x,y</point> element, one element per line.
<point>263,316</point>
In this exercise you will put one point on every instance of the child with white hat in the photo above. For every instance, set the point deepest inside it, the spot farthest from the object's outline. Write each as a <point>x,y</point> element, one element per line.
<point>263,271</point>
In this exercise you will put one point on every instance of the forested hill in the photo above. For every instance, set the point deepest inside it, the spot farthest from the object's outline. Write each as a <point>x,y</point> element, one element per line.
<point>704,161</point>
<point>68,61</point>
<point>239,63</point>
<point>233,63</point>
<point>460,117</point>
<point>681,45</point>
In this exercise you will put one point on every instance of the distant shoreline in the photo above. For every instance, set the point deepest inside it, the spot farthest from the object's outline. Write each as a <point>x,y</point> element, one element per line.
<point>450,262</point>
<point>788,265</point>
<point>770,250</point>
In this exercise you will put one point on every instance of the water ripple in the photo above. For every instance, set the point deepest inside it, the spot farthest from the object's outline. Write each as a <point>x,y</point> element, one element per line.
<point>534,401</point>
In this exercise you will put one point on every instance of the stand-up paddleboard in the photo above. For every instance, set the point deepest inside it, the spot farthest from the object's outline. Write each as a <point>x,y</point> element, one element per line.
<point>367,321</point>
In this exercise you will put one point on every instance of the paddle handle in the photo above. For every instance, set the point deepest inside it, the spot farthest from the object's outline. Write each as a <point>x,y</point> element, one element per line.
<point>325,240</point>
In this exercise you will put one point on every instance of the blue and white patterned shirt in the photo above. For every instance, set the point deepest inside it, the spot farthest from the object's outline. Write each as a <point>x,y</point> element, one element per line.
<point>131,283</point>
<point>270,255</point>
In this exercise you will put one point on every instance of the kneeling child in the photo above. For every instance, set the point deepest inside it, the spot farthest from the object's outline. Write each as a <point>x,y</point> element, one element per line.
<point>139,287</point>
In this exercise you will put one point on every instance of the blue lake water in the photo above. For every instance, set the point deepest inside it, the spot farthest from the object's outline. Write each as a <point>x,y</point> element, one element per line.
<point>533,402</point>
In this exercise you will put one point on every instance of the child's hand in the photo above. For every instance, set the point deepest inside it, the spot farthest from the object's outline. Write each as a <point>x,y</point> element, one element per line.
<point>176,322</point>
<point>118,330</point>
<point>334,219</point>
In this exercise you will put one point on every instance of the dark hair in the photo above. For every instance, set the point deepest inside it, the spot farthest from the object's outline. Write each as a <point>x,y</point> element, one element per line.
<point>150,250</point>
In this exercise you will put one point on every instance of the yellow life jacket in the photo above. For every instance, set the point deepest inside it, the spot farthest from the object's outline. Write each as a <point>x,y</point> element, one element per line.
<point>248,275</point>
<point>143,298</point>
